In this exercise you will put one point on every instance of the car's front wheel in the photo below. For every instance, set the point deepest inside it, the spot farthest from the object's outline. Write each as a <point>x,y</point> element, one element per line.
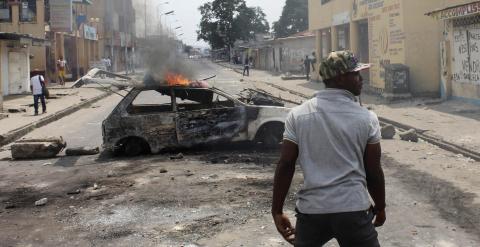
<point>135,146</point>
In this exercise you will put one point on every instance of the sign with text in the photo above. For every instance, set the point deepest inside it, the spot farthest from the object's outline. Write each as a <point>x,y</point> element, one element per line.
<point>89,32</point>
<point>459,11</point>
<point>61,16</point>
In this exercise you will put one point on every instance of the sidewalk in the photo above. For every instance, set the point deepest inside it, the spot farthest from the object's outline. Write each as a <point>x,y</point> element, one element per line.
<point>453,121</point>
<point>67,101</point>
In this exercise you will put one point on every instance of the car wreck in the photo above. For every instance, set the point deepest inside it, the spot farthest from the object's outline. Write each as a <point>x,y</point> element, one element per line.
<point>156,116</point>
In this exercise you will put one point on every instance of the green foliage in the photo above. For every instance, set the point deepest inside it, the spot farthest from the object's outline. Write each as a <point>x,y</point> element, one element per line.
<point>294,18</point>
<point>226,21</point>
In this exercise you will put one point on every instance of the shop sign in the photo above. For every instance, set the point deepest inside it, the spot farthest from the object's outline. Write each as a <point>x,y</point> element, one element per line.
<point>123,39</point>
<point>341,18</point>
<point>61,16</point>
<point>455,12</point>
<point>89,32</point>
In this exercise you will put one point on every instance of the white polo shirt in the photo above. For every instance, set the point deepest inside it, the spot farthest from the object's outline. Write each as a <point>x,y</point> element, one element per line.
<point>36,84</point>
<point>332,131</point>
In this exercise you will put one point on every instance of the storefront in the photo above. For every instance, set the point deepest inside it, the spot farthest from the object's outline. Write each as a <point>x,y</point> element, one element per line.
<point>391,35</point>
<point>15,53</point>
<point>460,51</point>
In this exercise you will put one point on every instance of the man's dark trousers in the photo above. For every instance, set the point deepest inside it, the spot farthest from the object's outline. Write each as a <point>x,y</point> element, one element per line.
<point>352,229</point>
<point>35,102</point>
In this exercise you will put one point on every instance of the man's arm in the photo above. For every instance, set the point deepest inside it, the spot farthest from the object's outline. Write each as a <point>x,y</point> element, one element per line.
<point>375,180</point>
<point>281,184</point>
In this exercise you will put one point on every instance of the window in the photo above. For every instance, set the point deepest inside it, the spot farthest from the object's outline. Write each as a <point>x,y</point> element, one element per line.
<point>5,11</point>
<point>325,1</point>
<point>200,99</point>
<point>150,101</point>
<point>28,10</point>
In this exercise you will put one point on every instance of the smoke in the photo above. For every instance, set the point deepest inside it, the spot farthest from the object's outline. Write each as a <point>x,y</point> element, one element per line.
<point>162,55</point>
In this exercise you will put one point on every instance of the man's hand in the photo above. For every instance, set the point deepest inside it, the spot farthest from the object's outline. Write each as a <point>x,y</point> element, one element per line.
<point>284,227</point>
<point>380,218</point>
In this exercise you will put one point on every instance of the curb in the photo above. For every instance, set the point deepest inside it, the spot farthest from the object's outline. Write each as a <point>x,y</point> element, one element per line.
<point>446,145</point>
<point>15,134</point>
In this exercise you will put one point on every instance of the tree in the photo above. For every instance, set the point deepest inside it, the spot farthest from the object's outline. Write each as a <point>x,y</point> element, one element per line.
<point>226,21</point>
<point>294,18</point>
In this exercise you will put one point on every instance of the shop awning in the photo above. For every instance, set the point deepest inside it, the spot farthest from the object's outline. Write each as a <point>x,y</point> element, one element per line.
<point>457,11</point>
<point>83,1</point>
<point>24,38</point>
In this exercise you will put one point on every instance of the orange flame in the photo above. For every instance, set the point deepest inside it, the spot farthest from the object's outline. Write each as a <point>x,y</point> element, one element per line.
<point>176,80</point>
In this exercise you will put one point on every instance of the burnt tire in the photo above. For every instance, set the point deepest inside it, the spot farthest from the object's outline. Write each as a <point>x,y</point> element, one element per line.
<point>271,135</point>
<point>135,147</point>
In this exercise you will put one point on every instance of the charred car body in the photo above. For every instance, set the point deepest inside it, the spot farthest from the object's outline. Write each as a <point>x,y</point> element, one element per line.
<point>153,118</point>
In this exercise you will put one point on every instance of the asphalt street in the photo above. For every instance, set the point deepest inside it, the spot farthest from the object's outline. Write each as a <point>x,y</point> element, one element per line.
<point>213,198</point>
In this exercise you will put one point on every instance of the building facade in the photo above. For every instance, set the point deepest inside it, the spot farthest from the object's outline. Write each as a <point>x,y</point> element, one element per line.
<point>460,50</point>
<point>26,17</point>
<point>383,33</point>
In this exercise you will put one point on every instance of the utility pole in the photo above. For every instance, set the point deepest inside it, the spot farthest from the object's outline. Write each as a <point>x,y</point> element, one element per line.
<point>145,17</point>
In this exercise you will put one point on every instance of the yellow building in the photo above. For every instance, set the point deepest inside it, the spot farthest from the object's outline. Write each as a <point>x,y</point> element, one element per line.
<point>460,50</point>
<point>26,17</point>
<point>387,34</point>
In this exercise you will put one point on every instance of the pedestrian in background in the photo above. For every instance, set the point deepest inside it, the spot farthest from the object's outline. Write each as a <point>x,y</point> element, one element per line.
<point>337,144</point>
<point>39,89</point>
<point>246,66</point>
<point>61,68</point>
<point>314,61</point>
<point>109,64</point>
<point>306,65</point>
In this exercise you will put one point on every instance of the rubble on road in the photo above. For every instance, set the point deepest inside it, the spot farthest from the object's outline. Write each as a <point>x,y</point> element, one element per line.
<point>288,77</point>
<point>388,131</point>
<point>259,97</point>
<point>179,156</point>
<point>37,148</point>
<point>41,202</point>
<point>3,115</point>
<point>410,135</point>
<point>82,151</point>
<point>16,110</point>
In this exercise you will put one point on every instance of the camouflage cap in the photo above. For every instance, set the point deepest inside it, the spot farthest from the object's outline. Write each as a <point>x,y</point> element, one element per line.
<point>339,63</point>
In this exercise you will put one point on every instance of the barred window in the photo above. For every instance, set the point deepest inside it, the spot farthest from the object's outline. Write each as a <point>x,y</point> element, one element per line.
<point>28,10</point>
<point>5,11</point>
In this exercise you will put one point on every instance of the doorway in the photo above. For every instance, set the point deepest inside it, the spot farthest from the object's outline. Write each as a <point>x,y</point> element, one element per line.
<point>364,49</point>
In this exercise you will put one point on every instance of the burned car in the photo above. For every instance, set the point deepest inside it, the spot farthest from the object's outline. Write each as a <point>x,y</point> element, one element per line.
<point>153,118</point>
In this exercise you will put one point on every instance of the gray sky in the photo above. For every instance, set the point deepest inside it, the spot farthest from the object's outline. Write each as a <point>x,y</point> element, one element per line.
<point>188,16</point>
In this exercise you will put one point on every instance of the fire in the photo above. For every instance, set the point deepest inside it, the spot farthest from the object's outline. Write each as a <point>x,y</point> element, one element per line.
<point>176,80</point>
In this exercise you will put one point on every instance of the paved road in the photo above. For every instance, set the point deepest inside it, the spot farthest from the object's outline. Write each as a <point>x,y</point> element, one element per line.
<point>423,209</point>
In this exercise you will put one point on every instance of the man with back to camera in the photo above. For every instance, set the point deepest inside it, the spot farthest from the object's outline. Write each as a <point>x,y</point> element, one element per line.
<point>38,88</point>
<point>337,144</point>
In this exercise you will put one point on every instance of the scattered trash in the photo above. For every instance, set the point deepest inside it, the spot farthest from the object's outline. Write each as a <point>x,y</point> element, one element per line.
<point>47,164</point>
<point>95,186</point>
<point>163,170</point>
<point>82,151</point>
<point>10,206</point>
<point>179,156</point>
<point>388,131</point>
<point>16,110</point>
<point>188,173</point>
<point>37,148</point>
<point>410,135</point>
<point>74,192</point>
<point>95,106</point>
<point>110,174</point>
<point>41,202</point>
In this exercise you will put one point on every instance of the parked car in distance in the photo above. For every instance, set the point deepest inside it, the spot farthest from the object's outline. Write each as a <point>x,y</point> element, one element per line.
<point>153,118</point>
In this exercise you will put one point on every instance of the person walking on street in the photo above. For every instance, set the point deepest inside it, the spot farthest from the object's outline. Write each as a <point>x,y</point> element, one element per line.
<point>313,61</point>
<point>246,66</point>
<point>337,144</point>
<point>61,67</point>
<point>306,65</point>
<point>38,88</point>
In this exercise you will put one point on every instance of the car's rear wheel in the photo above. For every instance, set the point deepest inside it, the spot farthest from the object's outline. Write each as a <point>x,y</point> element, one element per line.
<point>271,135</point>
<point>135,146</point>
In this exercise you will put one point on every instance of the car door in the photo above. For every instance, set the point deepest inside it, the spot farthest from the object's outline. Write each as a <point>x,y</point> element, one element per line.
<point>204,116</point>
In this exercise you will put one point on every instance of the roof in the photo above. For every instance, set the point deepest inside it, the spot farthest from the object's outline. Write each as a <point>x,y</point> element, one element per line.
<point>89,2</point>
<point>304,34</point>
<point>456,11</point>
